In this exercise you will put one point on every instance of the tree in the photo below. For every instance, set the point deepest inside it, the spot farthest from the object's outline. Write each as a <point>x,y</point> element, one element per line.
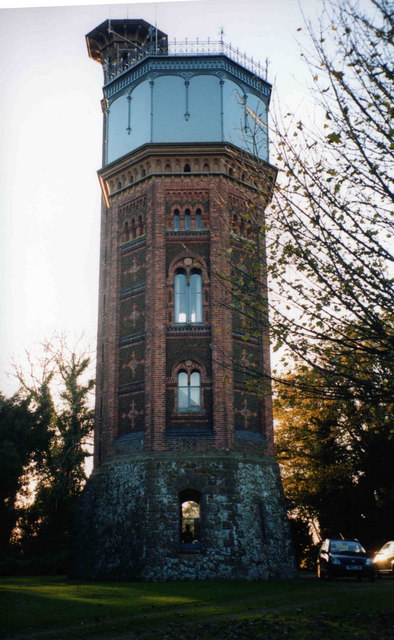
<point>336,459</point>
<point>23,438</point>
<point>58,393</point>
<point>330,223</point>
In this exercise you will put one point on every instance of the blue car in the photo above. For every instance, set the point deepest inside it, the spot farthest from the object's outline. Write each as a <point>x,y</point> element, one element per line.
<point>344,558</point>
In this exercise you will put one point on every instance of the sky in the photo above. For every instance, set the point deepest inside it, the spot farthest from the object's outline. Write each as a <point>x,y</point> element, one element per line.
<point>50,146</point>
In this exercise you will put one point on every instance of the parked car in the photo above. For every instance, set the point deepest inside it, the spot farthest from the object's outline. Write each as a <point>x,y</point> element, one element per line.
<point>383,560</point>
<point>341,558</point>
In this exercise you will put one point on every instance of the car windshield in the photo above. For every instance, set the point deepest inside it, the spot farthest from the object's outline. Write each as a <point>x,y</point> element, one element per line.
<point>346,546</point>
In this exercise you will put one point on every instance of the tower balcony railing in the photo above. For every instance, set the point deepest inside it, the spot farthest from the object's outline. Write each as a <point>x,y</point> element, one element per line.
<point>185,48</point>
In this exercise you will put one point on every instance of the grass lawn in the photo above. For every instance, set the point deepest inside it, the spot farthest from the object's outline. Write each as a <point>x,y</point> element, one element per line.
<point>302,609</point>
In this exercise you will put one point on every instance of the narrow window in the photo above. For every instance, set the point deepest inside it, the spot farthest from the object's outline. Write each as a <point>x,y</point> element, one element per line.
<point>186,168</point>
<point>183,391</point>
<point>188,296</point>
<point>189,391</point>
<point>181,297</point>
<point>198,219</point>
<point>187,219</point>
<point>176,220</point>
<point>195,390</point>
<point>190,518</point>
<point>195,297</point>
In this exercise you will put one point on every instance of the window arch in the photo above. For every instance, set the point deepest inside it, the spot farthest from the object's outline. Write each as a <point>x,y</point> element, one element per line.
<point>198,219</point>
<point>188,296</point>
<point>189,390</point>
<point>187,219</point>
<point>177,220</point>
<point>190,518</point>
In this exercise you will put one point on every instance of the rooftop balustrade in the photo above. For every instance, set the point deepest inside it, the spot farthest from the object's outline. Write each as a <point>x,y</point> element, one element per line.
<point>183,48</point>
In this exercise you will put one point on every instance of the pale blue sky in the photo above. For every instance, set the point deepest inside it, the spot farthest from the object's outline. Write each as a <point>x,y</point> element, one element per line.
<point>51,145</point>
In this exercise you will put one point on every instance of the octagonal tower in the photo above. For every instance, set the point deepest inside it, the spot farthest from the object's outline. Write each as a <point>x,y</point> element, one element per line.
<point>185,483</point>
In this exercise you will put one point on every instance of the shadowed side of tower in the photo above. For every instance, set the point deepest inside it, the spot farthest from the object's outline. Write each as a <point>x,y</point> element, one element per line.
<point>185,484</point>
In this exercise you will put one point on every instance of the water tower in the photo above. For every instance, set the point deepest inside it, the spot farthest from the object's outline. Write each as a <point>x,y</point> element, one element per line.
<point>185,483</point>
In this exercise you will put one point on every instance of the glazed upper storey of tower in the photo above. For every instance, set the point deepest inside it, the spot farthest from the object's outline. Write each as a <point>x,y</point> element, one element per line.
<point>186,93</point>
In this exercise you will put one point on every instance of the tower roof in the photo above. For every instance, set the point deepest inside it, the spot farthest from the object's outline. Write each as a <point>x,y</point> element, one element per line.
<point>129,33</point>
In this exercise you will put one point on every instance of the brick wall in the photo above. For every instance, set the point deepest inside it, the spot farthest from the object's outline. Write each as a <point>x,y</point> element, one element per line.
<point>139,345</point>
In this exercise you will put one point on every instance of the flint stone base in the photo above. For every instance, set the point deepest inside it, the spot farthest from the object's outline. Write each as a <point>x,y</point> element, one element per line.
<point>128,519</point>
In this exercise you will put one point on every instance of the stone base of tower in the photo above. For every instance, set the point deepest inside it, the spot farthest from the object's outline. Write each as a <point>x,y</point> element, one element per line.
<point>128,522</point>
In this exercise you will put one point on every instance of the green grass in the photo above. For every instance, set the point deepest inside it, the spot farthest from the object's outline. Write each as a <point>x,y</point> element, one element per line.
<point>302,609</point>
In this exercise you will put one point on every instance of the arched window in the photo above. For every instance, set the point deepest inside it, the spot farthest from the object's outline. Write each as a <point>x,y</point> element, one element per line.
<point>188,296</point>
<point>187,219</point>
<point>181,297</point>
<point>190,518</point>
<point>186,168</point>
<point>176,220</point>
<point>189,391</point>
<point>195,296</point>
<point>198,219</point>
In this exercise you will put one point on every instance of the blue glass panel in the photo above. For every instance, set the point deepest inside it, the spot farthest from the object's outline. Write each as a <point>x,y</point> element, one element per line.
<point>195,297</point>
<point>181,298</point>
<point>198,219</point>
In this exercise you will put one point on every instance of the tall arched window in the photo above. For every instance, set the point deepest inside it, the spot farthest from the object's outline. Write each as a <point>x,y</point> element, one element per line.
<point>189,391</point>
<point>176,220</point>
<point>187,219</point>
<point>198,219</point>
<point>190,517</point>
<point>188,296</point>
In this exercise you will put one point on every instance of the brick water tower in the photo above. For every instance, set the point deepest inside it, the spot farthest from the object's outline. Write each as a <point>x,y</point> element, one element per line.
<point>185,483</point>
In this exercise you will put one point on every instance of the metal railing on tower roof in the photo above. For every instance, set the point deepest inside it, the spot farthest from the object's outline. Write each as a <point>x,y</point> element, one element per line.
<point>185,48</point>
